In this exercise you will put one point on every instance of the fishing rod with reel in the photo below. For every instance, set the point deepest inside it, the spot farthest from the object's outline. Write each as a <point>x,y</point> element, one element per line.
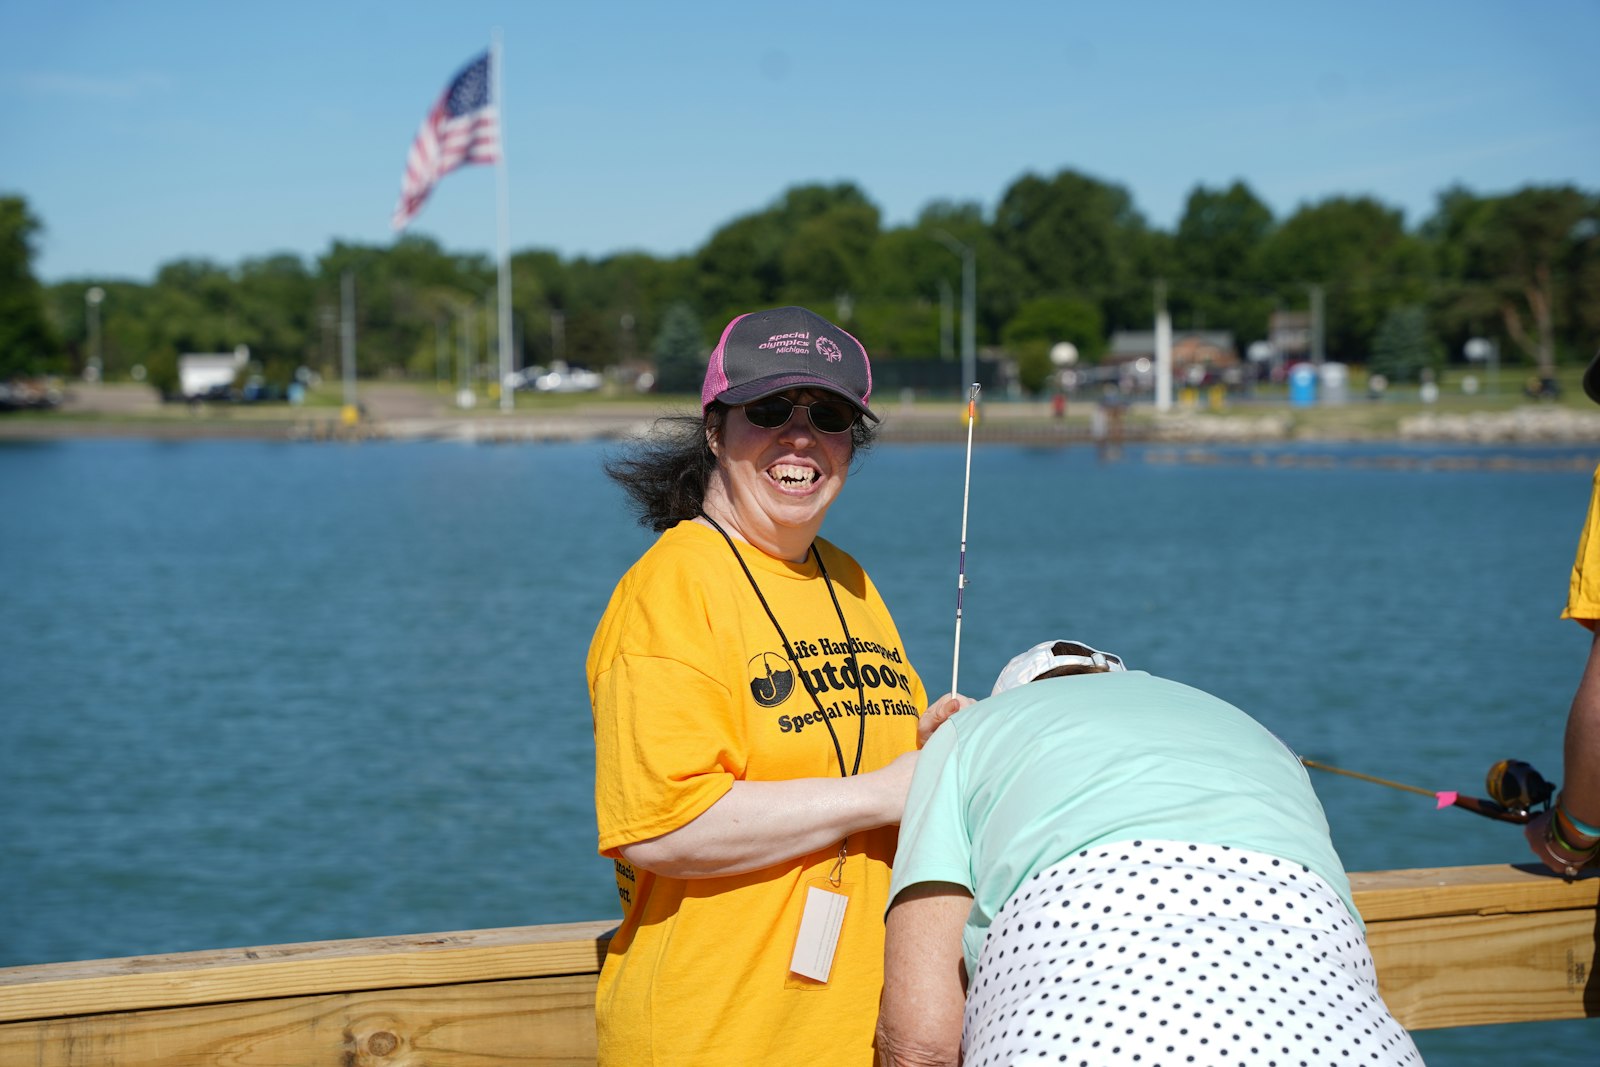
<point>1517,792</point>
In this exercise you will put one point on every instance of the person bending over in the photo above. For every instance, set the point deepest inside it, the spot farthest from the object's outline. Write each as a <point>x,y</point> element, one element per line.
<point>1098,866</point>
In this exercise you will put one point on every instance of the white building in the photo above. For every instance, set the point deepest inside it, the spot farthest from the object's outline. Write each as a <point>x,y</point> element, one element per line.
<point>199,373</point>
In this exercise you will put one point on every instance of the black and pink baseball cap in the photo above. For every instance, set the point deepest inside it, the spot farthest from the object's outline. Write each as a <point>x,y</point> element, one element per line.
<point>767,352</point>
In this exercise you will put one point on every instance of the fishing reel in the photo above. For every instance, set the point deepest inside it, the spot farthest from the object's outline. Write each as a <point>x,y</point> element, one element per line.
<point>1518,788</point>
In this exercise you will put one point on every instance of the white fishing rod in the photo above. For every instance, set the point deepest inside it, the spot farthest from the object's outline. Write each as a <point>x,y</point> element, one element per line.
<point>961,570</point>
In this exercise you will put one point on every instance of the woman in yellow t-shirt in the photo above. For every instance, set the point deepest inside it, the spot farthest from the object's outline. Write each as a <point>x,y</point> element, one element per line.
<point>1567,838</point>
<point>756,723</point>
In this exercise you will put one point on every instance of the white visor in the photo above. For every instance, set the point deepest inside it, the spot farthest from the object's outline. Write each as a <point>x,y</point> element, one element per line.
<point>1040,658</point>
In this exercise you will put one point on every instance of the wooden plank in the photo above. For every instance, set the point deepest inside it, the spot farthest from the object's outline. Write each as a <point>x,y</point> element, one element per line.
<point>135,983</point>
<point>1439,891</point>
<point>1472,970</point>
<point>545,1021</point>
<point>1454,946</point>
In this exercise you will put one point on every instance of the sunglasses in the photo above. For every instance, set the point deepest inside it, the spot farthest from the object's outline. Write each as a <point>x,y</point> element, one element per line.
<point>827,416</point>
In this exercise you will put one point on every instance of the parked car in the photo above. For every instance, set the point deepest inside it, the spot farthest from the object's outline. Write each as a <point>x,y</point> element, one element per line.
<point>563,379</point>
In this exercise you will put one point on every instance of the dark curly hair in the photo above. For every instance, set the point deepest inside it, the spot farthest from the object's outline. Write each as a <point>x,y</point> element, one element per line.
<point>665,474</point>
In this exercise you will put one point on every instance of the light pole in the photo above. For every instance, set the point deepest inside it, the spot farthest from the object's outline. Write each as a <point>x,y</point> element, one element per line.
<point>947,347</point>
<point>92,298</point>
<point>489,321</point>
<point>1063,354</point>
<point>969,307</point>
<point>466,395</point>
<point>350,414</point>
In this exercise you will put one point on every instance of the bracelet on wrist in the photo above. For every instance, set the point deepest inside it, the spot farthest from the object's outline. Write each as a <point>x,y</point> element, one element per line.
<point>1572,839</point>
<point>1562,857</point>
<point>1582,854</point>
<point>1576,824</point>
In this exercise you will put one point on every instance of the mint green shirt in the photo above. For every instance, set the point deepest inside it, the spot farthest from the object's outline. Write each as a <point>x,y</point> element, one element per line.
<point>1019,782</point>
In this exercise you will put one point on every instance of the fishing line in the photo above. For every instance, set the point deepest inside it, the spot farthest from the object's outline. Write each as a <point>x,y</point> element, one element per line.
<point>1516,789</point>
<point>961,569</point>
<point>1368,778</point>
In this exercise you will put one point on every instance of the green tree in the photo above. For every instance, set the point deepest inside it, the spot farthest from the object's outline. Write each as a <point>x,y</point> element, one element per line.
<point>1404,345</point>
<point>909,262</point>
<point>275,298</point>
<point>161,372</point>
<point>190,308</point>
<point>740,268</point>
<point>898,310</point>
<point>894,328</point>
<point>28,345</point>
<point>1041,324</point>
<point>941,227</point>
<point>134,324</point>
<point>1359,254</point>
<point>539,296</point>
<point>1522,269</point>
<point>680,350</point>
<point>1463,308</point>
<point>1216,283</point>
<point>829,254</point>
<point>400,293</point>
<point>811,246</point>
<point>611,303</point>
<point>1530,252</point>
<point>1074,235</point>
<point>1581,314</point>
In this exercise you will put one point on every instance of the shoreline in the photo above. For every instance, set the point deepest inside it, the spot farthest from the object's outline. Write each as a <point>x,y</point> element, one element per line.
<point>398,412</point>
<point>1516,428</point>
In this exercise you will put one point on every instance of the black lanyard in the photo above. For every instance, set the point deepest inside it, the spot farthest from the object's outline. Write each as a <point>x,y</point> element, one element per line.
<point>849,642</point>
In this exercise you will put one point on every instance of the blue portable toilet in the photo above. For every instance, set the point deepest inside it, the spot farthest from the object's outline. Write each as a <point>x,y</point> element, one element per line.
<point>1302,385</point>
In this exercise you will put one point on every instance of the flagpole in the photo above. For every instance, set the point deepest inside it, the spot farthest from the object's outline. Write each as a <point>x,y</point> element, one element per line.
<point>503,197</point>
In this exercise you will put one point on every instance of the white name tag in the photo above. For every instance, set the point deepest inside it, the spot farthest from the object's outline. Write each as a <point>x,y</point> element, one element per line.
<point>819,934</point>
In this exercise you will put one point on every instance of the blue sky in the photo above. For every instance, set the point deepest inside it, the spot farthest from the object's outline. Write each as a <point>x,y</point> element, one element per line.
<point>145,132</point>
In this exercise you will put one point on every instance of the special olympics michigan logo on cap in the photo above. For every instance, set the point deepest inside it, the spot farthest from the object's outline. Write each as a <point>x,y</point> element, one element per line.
<point>763,353</point>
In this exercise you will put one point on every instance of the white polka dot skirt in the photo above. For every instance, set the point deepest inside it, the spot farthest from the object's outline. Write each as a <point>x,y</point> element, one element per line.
<point>1162,953</point>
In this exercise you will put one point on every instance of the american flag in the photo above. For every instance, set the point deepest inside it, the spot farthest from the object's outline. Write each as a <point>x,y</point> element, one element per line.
<point>463,127</point>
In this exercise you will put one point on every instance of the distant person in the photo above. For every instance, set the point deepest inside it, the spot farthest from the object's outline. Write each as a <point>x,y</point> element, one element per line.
<point>1098,866</point>
<point>1567,838</point>
<point>755,721</point>
<point>1540,388</point>
<point>1105,422</point>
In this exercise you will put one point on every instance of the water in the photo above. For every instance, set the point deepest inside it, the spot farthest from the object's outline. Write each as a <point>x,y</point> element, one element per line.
<point>258,692</point>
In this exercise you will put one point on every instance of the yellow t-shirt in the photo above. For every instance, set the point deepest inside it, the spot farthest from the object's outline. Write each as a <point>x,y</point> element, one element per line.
<point>1583,590</point>
<point>692,691</point>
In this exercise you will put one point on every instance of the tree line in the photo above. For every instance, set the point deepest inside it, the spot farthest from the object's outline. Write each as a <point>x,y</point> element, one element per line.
<point>1067,257</point>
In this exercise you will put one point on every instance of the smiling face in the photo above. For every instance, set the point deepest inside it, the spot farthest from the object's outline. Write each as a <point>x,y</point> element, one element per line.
<point>773,487</point>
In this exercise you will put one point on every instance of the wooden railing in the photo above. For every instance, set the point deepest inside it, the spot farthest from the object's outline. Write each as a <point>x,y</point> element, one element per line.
<point>1468,946</point>
<point>1455,946</point>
